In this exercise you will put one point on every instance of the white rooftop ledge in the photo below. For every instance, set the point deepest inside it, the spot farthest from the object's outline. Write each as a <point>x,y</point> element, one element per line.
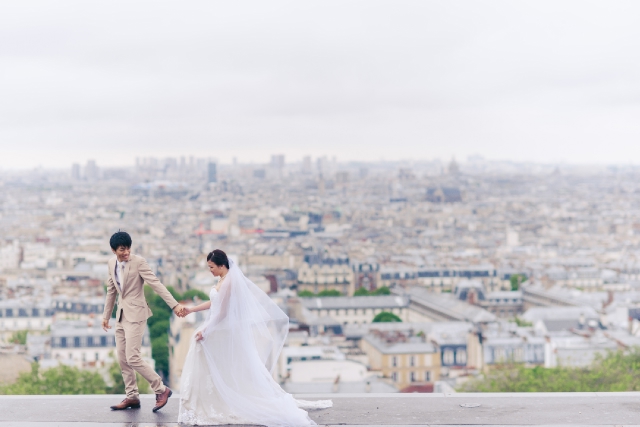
<point>495,409</point>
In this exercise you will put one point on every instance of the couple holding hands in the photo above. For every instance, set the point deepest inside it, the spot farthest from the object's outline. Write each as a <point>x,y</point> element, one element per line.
<point>227,375</point>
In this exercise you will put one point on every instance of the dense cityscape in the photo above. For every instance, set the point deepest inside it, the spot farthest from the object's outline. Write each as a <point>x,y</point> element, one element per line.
<point>396,276</point>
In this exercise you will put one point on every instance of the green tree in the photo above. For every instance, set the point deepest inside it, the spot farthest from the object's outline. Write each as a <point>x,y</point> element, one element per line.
<point>192,293</point>
<point>306,294</point>
<point>62,379</point>
<point>160,313</point>
<point>156,303</point>
<point>516,280</point>
<point>118,382</point>
<point>159,329</point>
<point>158,326</point>
<point>160,352</point>
<point>386,316</point>
<point>361,292</point>
<point>329,293</point>
<point>19,337</point>
<point>616,371</point>
<point>174,293</point>
<point>522,323</point>
<point>381,291</point>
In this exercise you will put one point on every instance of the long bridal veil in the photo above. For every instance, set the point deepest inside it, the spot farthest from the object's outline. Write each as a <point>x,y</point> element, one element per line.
<point>229,378</point>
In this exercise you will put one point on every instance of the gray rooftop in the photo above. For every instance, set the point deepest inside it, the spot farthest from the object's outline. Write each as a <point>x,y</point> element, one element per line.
<point>447,307</point>
<point>559,313</point>
<point>378,301</point>
<point>394,409</point>
<point>442,329</point>
<point>412,345</point>
<point>62,328</point>
<point>505,295</point>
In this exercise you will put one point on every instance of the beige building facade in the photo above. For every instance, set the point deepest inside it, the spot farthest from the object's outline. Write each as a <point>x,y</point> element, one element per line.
<point>321,277</point>
<point>403,360</point>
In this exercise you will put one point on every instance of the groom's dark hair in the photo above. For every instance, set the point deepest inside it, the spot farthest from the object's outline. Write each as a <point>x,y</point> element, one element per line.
<point>218,257</point>
<point>121,238</point>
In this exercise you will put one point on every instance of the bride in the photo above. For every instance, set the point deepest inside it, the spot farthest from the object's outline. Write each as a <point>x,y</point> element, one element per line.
<point>227,373</point>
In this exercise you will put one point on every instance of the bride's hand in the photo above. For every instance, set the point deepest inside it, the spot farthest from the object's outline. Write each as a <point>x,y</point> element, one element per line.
<point>199,336</point>
<point>186,311</point>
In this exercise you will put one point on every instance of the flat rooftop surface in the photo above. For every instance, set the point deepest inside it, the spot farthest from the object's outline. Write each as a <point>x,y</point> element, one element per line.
<point>460,409</point>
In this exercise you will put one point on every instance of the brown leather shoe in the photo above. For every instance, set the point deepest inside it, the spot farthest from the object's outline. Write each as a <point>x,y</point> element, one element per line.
<point>162,399</point>
<point>127,403</point>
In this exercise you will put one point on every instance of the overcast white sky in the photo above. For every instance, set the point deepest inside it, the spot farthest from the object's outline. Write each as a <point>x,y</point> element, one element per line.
<point>362,80</point>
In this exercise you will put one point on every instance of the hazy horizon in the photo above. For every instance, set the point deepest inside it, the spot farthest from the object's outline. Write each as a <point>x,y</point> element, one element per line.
<point>463,163</point>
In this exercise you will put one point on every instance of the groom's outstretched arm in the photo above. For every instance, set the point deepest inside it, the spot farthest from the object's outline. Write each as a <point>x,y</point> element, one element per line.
<point>150,279</point>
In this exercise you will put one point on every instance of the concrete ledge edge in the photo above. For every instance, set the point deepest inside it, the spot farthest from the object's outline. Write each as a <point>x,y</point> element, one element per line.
<point>355,395</point>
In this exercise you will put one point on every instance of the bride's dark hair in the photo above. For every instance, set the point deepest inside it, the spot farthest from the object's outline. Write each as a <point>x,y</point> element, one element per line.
<point>218,257</point>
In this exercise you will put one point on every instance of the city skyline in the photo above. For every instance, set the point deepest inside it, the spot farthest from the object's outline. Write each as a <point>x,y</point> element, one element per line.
<point>540,263</point>
<point>474,159</point>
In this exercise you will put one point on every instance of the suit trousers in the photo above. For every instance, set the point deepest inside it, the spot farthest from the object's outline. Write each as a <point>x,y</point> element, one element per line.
<point>128,343</point>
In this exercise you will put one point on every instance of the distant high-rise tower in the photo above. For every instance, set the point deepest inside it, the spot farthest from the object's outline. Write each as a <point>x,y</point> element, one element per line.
<point>91,171</point>
<point>342,177</point>
<point>212,173</point>
<point>454,169</point>
<point>306,164</point>
<point>277,161</point>
<point>322,163</point>
<point>75,171</point>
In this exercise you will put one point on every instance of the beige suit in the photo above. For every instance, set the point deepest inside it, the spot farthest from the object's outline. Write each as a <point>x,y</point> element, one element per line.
<point>131,319</point>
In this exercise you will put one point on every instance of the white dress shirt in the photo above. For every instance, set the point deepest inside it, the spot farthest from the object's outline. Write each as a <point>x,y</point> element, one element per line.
<point>120,273</point>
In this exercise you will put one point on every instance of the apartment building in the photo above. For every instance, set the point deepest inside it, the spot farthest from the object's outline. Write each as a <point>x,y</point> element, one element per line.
<point>445,279</point>
<point>24,315</point>
<point>78,307</point>
<point>403,359</point>
<point>86,344</point>
<point>326,275</point>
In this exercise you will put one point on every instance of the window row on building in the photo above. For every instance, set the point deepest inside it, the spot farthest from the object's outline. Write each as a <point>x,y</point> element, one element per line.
<point>411,376</point>
<point>83,341</point>
<point>78,307</point>
<point>454,356</point>
<point>26,312</point>
<point>410,360</point>
<point>469,274</point>
<point>25,323</point>
<point>359,311</point>
<point>516,353</point>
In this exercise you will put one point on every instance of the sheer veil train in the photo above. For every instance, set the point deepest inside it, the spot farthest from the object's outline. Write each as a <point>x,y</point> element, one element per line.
<point>227,377</point>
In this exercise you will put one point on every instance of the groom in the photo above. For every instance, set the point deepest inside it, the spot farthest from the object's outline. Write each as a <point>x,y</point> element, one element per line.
<point>127,275</point>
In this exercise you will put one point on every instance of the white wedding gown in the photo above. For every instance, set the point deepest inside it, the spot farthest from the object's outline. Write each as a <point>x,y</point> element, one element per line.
<point>226,377</point>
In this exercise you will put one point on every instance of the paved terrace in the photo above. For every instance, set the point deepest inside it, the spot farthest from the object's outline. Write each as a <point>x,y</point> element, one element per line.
<point>487,409</point>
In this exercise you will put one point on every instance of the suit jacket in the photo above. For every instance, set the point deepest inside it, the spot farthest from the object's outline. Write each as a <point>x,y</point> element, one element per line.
<point>132,302</point>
